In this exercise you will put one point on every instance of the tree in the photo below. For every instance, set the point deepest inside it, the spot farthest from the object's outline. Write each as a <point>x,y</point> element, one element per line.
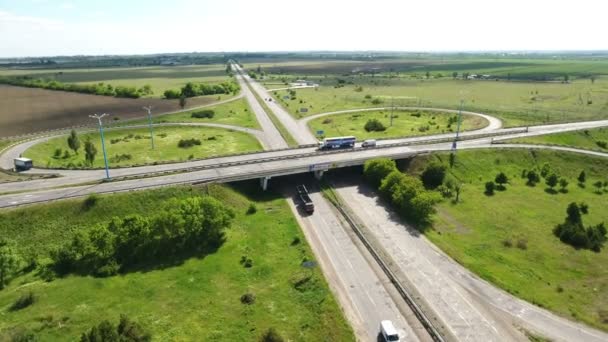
<point>501,179</point>
<point>490,186</point>
<point>9,262</point>
<point>563,183</point>
<point>545,170</point>
<point>428,75</point>
<point>433,175</point>
<point>182,101</point>
<point>552,180</point>
<point>374,125</point>
<point>89,152</point>
<point>454,74</point>
<point>74,141</point>
<point>582,177</point>
<point>465,75</point>
<point>566,78</point>
<point>592,79</point>
<point>533,178</point>
<point>374,170</point>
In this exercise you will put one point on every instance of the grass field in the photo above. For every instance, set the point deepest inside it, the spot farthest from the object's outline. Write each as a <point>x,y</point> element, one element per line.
<point>236,113</point>
<point>517,103</point>
<point>404,124</point>
<point>30,110</point>
<point>538,267</point>
<point>136,144</point>
<point>195,300</point>
<point>586,139</point>
<point>159,78</point>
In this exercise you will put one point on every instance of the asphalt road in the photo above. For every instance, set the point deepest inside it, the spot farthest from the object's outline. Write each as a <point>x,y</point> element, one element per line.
<point>273,137</point>
<point>474,309</point>
<point>363,291</point>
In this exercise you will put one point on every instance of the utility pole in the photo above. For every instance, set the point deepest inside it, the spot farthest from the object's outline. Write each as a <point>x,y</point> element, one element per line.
<point>103,146</point>
<point>149,109</point>
<point>454,145</point>
<point>392,110</point>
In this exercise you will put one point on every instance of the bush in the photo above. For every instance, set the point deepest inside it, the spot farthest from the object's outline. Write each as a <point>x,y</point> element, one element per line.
<point>125,331</point>
<point>376,101</point>
<point>573,232</point>
<point>248,298</point>
<point>24,301</point>
<point>246,262</point>
<point>433,175</point>
<point>490,187</point>
<point>374,170</point>
<point>501,179</point>
<point>327,121</point>
<point>522,244</point>
<point>295,241</point>
<point>533,178</point>
<point>602,144</point>
<point>187,143</point>
<point>374,125</point>
<point>90,201</point>
<point>271,335</point>
<point>252,209</point>
<point>57,153</point>
<point>203,114</point>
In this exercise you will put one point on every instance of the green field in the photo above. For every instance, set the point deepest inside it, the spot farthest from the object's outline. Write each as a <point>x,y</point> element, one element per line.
<point>235,112</point>
<point>197,299</point>
<point>517,103</point>
<point>159,78</point>
<point>136,144</point>
<point>544,271</point>
<point>586,139</point>
<point>404,124</point>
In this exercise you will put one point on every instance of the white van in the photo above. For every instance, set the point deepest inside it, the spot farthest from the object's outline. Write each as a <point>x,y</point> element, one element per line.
<point>369,143</point>
<point>388,331</point>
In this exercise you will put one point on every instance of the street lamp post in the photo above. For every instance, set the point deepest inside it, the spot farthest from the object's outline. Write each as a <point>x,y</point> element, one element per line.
<point>149,109</point>
<point>103,146</point>
<point>454,145</point>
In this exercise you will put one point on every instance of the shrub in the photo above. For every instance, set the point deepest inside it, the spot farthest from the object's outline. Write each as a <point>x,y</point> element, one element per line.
<point>374,125</point>
<point>368,96</point>
<point>57,153</point>
<point>376,101</point>
<point>573,232</point>
<point>552,180</point>
<point>204,114</point>
<point>490,186</point>
<point>248,298</point>
<point>295,241</point>
<point>66,154</point>
<point>24,301</point>
<point>433,175</point>
<point>125,331</point>
<point>327,121</point>
<point>522,244</point>
<point>252,209</point>
<point>602,144</point>
<point>162,135</point>
<point>271,335</point>
<point>507,243</point>
<point>90,201</point>
<point>246,262</point>
<point>584,207</point>
<point>533,178</point>
<point>187,143</point>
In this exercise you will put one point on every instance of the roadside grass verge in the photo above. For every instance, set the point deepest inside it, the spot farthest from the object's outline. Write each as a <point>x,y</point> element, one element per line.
<point>588,139</point>
<point>128,147</point>
<point>405,123</point>
<point>235,113</point>
<point>198,299</point>
<point>508,238</point>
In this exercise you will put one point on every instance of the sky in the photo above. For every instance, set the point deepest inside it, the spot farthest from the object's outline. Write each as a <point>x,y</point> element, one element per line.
<point>70,27</point>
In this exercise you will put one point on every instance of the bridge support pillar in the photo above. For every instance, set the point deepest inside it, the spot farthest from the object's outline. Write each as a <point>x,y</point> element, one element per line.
<point>319,174</point>
<point>264,182</point>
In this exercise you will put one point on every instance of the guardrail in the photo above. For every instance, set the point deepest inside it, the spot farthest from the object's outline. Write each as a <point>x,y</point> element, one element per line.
<point>309,154</point>
<point>407,297</point>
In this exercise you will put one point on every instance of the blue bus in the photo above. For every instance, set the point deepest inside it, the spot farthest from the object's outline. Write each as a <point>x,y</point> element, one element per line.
<point>337,142</point>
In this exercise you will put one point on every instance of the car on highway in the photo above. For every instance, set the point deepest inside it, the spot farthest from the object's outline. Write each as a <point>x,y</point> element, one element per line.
<point>388,331</point>
<point>369,143</point>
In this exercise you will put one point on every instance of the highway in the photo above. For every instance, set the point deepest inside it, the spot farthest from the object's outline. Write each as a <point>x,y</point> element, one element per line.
<point>473,309</point>
<point>362,290</point>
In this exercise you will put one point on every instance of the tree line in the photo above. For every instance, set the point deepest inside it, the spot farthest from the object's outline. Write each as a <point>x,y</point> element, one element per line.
<point>94,89</point>
<point>406,193</point>
<point>193,225</point>
<point>193,89</point>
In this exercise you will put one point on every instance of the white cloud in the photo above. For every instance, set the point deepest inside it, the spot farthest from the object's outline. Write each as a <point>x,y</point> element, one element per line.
<point>67,5</point>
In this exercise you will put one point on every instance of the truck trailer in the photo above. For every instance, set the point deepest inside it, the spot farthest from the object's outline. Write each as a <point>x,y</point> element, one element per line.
<point>309,207</point>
